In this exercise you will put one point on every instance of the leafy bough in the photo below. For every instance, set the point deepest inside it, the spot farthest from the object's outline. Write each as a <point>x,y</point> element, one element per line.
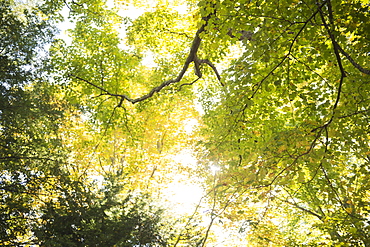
<point>192,57</point>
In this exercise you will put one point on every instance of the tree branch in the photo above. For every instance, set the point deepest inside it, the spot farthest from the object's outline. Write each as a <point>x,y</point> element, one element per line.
<point>303,209</point>
<point>355,113</point>
<point>192,57</point>
<point>210,64</point>
<point>337,47</point>
<point>259,84</point>
<point>188,84</point>
<point>356,65</point>
<point>337,55</point>
<point>27,158</point>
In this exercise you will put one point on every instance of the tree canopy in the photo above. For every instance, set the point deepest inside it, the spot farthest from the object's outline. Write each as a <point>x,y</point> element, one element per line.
<point>262,105</point>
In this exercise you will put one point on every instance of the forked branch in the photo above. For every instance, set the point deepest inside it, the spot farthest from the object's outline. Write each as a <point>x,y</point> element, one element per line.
<point>192,57</point>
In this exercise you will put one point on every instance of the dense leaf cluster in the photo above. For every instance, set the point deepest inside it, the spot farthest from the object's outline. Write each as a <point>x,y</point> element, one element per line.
<point>292,124</point>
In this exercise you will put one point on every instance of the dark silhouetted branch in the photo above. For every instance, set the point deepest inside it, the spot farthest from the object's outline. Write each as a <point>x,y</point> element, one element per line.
<point>192,57</point>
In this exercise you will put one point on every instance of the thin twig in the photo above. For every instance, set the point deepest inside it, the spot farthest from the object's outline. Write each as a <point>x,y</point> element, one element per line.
<point>188,84</point>
<point>355,113</point>
<point>299,207</point>
<point>356,65</point>
<point>290,49</point>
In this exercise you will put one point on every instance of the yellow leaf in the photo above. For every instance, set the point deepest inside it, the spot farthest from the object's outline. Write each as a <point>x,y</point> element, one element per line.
<point>281,149</point>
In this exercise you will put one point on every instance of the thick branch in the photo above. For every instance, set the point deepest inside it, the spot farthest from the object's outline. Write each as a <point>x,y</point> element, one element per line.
<point>332,38</point>
<point>337,55</point>
<point>192,57</point>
